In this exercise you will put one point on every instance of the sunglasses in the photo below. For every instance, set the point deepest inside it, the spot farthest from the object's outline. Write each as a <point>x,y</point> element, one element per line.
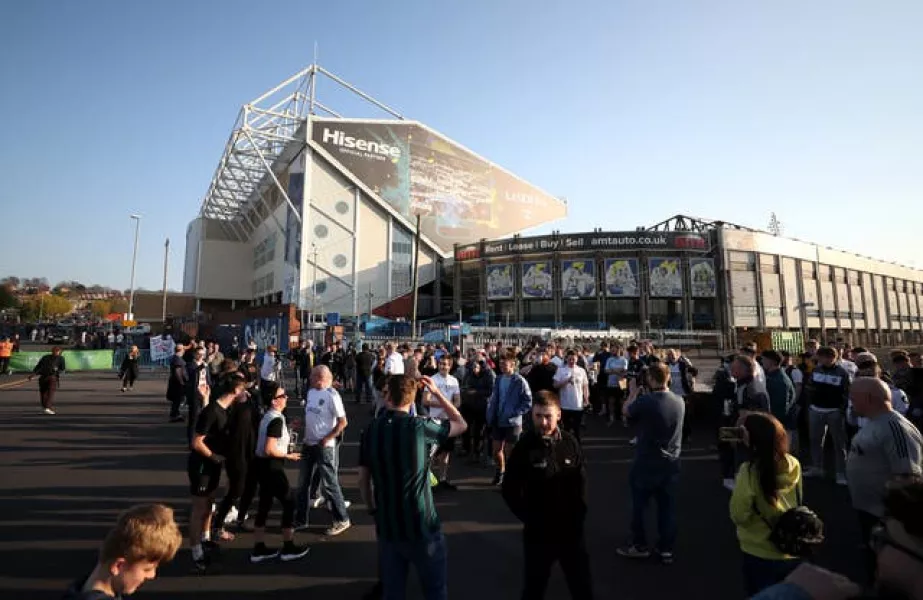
<point>280,396</point>
<point>881,537</point>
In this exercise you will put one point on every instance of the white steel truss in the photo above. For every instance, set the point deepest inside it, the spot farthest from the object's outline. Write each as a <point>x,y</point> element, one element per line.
<point>269,133</point>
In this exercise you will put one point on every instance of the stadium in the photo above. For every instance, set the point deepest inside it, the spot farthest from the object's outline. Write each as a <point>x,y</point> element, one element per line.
<point>710,278</point>
<point>312,214</point>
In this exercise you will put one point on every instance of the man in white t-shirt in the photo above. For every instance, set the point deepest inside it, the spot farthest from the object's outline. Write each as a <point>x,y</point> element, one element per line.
<point>573,387</point>
<point>324,421</point>
<point>394,362</point>
<point>451,391</point>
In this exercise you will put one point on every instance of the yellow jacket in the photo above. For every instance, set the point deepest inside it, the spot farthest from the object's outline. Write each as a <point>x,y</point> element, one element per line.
<point>752,528</point>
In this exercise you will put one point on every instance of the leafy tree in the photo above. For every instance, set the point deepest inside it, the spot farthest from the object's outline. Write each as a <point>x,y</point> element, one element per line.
<point>13,281</point>
<point>7,299</point>
<point>118,305</point>
<point>100,308</point>
<point>45,306</point>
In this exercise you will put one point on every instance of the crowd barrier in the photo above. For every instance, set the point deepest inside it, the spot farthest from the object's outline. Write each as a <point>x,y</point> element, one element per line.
<point>144,360</point>
<point>74,360</point>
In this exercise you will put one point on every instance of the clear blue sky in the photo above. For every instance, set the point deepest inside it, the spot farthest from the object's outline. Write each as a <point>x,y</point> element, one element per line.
<point>635,111</point>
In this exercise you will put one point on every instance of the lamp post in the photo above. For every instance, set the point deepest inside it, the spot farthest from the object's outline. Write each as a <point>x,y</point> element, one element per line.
<point>134,258</point>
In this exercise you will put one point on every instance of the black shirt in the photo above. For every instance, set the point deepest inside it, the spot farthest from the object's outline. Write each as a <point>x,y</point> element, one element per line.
<point>243,421</point>
<point>213,424</point>
<point>274,430</point>
<point>541,377</point>
<point>365,362</point>
<point>545,483</point>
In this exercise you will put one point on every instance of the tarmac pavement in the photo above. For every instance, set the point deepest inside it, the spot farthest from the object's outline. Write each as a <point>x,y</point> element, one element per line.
<point>65,478</point>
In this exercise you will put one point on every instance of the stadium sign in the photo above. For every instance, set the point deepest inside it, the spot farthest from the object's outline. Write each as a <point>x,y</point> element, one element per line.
<point>582,242</point>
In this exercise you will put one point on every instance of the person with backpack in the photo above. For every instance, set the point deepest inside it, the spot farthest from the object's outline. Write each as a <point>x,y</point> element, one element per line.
<point>768,484</point>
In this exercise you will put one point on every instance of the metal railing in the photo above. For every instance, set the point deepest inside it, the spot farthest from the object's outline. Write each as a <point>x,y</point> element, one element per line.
<point>144,360</point>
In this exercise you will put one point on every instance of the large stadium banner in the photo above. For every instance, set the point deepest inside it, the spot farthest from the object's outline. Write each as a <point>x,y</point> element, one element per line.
<point>536,280</point>
<point>578,278</point>
<point>460,196</point>
<point>669,241</point>
<point>666,277</point>
<point>500,281</point>
<point>702,275</point>
<point>622,277</point>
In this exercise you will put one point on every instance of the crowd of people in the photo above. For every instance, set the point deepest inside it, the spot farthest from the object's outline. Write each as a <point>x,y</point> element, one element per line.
<point>523,410</point>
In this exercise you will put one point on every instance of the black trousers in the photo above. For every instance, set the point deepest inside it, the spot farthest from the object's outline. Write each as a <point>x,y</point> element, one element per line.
<point>274,486</point>
<point>176,403</point>
<point>237,482</point>
<point>541,551</point>
<point>572,422</point>
<point>726,451</point>
<point>476,417</point>
<point>129,378</point>
<point>47,386</point>
<point>867,522</point>
<point>249,492</point>
<point>4,364</point>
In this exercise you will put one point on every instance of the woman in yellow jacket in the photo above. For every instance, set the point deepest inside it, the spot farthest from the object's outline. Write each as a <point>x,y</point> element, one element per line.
<point>767,485</point>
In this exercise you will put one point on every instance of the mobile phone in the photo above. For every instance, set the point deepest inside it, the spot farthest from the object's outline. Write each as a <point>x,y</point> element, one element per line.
<point>731,434</point>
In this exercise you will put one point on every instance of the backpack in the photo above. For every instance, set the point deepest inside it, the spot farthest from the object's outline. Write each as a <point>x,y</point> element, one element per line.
<point>797,531</point>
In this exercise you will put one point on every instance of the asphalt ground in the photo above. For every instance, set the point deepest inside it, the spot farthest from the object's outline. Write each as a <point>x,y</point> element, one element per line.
<point>65,478</point>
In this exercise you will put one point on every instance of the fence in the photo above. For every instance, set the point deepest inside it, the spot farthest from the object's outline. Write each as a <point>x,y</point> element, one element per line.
<point>144,360</point>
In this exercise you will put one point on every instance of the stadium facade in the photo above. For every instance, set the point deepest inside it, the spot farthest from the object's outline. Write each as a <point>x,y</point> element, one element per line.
<point>687,274</point>
<point>310,211</point>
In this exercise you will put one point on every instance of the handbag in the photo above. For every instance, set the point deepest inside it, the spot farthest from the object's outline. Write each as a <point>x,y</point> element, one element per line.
<point>797,531</point>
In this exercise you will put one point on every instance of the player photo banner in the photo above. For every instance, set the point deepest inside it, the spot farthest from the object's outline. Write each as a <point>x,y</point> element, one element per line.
<point>666,278</point>
<point>500,281</point>
<point>578,278</point>
<point>622,277</point>
<point>536,280</point>
<point>702,275</point>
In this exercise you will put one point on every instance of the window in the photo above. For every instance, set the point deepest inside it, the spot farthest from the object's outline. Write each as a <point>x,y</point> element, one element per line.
<point>263,285</point>
<point>265,251</point>
<point>401,261</point>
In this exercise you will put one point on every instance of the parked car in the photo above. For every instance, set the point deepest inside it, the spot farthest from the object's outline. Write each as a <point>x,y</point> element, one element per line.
<point>59,336</point>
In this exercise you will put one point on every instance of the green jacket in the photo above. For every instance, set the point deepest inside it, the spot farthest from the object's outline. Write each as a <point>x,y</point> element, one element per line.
<point>753,531</point>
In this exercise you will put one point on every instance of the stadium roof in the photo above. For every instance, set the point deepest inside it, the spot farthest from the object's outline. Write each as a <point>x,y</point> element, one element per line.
<point>262,140</point>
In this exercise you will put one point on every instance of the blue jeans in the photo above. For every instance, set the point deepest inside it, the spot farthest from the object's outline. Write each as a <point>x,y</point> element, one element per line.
<point>322,459</point>
<point>364,384</point>
<point>761,573</point>
<point>658,482</point>
<point>430,558</point>
<point>316,480</point>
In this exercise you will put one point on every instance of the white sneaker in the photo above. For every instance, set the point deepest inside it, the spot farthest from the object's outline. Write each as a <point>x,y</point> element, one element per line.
<point>813,472</point>
<point>317,502</point>
<point>346,504</point>
<point>729,484</point>
<point>48,411</point>
<point>232,516</point>
<point>338,528</point>
<point>633,441</point>
<point>841,480</point>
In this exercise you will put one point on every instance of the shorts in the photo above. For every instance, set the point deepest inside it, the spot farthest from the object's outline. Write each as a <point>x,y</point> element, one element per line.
<point>204,477</point>
<point>506,434</point>
<point>448,446</point>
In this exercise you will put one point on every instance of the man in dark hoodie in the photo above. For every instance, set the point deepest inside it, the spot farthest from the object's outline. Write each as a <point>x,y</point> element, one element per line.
<point>143,537</point>
<point>828,396</point>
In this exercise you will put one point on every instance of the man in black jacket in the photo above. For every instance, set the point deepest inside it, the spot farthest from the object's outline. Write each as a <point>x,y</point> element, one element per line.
<point>828,396</point>
<point>176,384</point>
<point>48,369</point>
<point>545,487</point>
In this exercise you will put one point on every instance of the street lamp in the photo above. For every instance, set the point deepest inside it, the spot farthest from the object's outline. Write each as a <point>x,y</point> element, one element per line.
<point>134,258</point>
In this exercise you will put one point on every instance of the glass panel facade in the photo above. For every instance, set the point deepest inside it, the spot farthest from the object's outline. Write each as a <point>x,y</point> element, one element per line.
<point>401,261</point>
<point>667,314</point>
<point>623,312</point>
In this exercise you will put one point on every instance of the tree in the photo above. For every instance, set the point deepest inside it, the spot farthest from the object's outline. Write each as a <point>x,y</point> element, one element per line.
<point>45,306</point>
<point>118,305</point>
<point>7,299</point>
<point>12,281</point>
<point>100,308</point>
